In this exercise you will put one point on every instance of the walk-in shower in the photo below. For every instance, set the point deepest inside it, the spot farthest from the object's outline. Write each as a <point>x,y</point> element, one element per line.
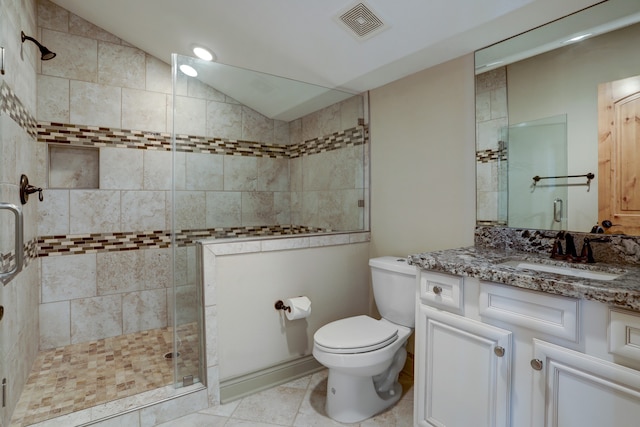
<point>110,250</point>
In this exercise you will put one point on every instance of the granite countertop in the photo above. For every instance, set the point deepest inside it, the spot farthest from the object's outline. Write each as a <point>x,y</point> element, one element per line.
<point>485,264</point>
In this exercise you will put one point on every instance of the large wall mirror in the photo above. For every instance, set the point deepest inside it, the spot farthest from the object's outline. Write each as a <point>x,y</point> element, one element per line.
<point>558,124</point>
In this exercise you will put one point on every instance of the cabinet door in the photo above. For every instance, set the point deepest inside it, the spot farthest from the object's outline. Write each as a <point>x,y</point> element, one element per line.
<point>575,390</point>
<point>463,371</point>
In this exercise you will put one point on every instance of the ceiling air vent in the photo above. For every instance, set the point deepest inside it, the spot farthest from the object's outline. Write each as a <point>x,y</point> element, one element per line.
<point>361,21</point>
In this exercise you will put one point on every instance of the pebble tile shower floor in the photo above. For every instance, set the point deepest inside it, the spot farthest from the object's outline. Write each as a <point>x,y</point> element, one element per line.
<point>80,376</point>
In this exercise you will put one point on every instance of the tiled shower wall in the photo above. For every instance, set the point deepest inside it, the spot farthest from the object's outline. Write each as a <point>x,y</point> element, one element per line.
<point>291,177</point>
<point>18,154</point>
<point>491,121</point>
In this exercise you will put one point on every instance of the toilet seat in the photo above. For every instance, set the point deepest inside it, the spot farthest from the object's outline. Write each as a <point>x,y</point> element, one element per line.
<point>358,334</point>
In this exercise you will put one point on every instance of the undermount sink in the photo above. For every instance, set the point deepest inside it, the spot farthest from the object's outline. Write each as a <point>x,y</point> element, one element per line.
<point>563,270</point>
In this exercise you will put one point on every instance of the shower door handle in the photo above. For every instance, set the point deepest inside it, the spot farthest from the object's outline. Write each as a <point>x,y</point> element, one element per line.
<point>557,210</point>
<point>17,212</point>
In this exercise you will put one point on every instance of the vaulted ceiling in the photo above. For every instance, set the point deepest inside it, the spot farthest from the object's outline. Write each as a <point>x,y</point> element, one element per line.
<point>304,40</point>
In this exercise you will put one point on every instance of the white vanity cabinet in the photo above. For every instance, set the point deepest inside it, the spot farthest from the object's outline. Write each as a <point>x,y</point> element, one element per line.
<point>506,356</point>
<point>573,389</point>
<point>464,369</point>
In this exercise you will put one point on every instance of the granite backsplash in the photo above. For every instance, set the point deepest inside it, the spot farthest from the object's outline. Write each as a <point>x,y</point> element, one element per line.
<point>609,248</point>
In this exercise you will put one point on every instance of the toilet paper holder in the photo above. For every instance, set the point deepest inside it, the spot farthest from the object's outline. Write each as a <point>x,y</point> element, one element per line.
<point>280,306</point>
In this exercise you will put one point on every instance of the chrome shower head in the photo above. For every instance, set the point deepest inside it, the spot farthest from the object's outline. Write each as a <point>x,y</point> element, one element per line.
<point>45,54</point>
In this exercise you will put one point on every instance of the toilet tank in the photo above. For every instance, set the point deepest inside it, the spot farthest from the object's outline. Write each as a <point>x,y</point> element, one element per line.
<point>394,289</point>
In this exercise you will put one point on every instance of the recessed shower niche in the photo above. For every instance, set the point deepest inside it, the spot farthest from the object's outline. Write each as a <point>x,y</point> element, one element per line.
<point>74,167</point>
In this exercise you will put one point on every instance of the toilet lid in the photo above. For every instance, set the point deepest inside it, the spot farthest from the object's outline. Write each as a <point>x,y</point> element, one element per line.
<point>357,334</point>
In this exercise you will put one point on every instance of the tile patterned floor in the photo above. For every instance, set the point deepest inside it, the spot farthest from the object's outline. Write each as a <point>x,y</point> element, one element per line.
<point>80,376</point>
<point>299,403</point>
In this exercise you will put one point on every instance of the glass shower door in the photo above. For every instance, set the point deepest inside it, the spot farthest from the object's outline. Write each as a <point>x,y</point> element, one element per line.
<point>538,148</point>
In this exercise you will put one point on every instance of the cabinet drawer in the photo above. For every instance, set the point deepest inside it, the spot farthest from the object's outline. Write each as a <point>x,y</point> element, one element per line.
<point>624,333</point>
<point>550,314</point>
<point>442,291</point>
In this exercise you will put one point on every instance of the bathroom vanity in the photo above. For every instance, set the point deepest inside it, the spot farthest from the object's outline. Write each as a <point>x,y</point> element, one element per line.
<point>517,339</point>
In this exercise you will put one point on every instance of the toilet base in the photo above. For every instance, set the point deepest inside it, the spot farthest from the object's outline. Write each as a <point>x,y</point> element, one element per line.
<point>351,398</point>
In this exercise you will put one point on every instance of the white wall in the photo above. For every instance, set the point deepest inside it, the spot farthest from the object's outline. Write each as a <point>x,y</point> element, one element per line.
<point>256,336</point>
<point>243,278</point>
<point>423,161</point>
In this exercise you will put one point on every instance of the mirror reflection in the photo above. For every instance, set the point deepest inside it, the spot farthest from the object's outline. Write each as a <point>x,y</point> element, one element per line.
<point>584,80</point>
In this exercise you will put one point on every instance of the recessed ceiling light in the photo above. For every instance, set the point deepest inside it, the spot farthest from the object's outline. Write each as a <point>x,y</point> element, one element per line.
<point>203,53</point>
<point>188,70</point>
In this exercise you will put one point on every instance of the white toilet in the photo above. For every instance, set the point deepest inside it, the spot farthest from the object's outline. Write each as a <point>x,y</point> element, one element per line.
<point>364,355</point>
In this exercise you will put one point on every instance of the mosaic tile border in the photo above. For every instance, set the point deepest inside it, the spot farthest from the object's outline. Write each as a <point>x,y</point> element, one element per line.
<point>97,136</point>
<point>490,155</point>
<point>8,260</point>
<point>11,105</point>
<point>127,241</point>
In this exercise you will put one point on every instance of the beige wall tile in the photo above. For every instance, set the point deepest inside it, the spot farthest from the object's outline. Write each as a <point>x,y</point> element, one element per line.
<point>258,209</point>
<point>55,324</point>
<point>351,110</point>
<point>295,174</point>
<point>144,211</point>
<point>96,318</point>
<point>281,132</point>
<point>8,147</point>
<point>240,173</point>
<point>53,99</point>
<point>121,65</point>
<point>121,169</point>
<point>76,56</point>
<point>329,170</point>
<point>119,272</point>
<point>157,170</point>
<point>144,310</point>
<point>84,28</point>
<point>68,277</point>
<point>256,127</point>
<point>190,210</point>
<point>95,104</point>
<point>273,174</point>
<point>53,213</point>
<point>143,110</point>
<point>157,268</point>
<point>223,209</point>
<point>295,132</point>
<point>322,123</point>
<point>190,115</point>
<point>52,16</point>
<point>204,171</point>
<point>186,310</point>
<point>282,207</point>
<point>224,120</point>
<point>94,211</point>
<point>158,76</point>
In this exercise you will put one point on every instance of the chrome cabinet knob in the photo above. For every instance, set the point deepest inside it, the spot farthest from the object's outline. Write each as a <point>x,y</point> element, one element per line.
<point>437,290</point>
<point>536,364</point>
<point>499,351</point>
